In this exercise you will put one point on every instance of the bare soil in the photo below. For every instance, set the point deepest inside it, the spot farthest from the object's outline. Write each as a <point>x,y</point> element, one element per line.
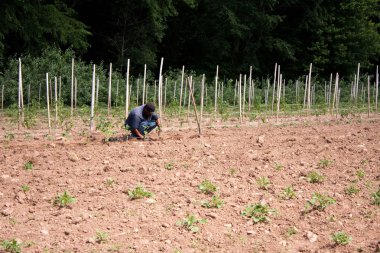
<point>172,167</point>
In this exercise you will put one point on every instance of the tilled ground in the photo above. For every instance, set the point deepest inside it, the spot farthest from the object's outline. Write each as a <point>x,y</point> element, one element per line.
<point>99,176</point>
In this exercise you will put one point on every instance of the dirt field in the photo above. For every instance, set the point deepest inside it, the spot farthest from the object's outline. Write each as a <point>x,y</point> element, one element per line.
<point>105,219</point>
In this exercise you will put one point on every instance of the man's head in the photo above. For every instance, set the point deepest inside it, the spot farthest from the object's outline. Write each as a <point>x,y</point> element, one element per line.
<point>148,109</point>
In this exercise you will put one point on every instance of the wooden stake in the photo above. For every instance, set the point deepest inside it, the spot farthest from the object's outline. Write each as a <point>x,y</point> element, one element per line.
<point>160,84</point>
<point>72,87</point>
<point>274,85</point>
<point>357,84</point>
<point>20,96</point>
<point>377,87</point>
<point>279,85</point>
<point>47,100</point>
<point>369,96</point>
<point>335,92</point>
<point>245,84</point>
<point>240,102</point>
<point>39,94</point>
<point>216,88</point>
<point>92,123</point>
<point>56,99</point>
<point>137,90</point>
<point>127,91</point>
<point>309,90</point>
<point>195,106</point>
<point>144,80</point>
<point>250,88</point>
<point>109,90</point>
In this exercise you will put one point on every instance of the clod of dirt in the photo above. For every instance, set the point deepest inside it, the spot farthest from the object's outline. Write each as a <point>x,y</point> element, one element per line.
<point>311,236</point>
<point>72,156</point>
<point>7,211</point>
<point>261,140</point>
<point>20,196</point>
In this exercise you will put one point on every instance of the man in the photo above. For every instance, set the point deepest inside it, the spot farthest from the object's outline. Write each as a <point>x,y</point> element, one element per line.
<point>142,120</point>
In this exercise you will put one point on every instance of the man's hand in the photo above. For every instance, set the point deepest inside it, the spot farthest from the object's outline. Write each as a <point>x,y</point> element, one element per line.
<point>137,132</point>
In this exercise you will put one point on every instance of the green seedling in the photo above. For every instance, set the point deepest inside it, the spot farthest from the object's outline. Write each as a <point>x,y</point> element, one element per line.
<point>101,237</point>
<point>139,192</point>
<point>28,165</point>
<point>207,187</point>
<point>25,188</point>
<point>351,190</point>
<point>290,231</point>
<point>109,182</point>
<point>258,212</point>
<point>215,202</point>
<point>63,200</point>
<point>376,198</point>
<point>9,136</point>
<point>324,163</point>
<point>360,174</point>
<point>318,202</point>
<point>189,223</point>
<point>289,193</point>
<point>278,166</point>
<point>233,172</point>
<point>314,177</point>
<point>263,183</point>
<point>169,166</point>
<point>11,246</point>
<point>341,238</point>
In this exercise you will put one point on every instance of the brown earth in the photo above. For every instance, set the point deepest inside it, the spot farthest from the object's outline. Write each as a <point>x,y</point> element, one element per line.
<point>171,167</point>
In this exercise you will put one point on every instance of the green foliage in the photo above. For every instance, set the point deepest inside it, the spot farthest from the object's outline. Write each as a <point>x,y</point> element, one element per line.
<point>28,165</point>
<point>360,174</point>
<point>25,188</point>
<point>101,236</point>
<point>169,166</point>
<point>258,212</point>
<point>63,200</point>
<point>109,182</point>
<point>289,193</point>
<point>278,166</point>
<point>9,136</point>
<point>139,192</point>
<point>11,246</point>
<point>376,198</point>
<point>324,163</point>
<point>207,187</point>
<point>290,231</point>
<point>215,202</point>
<point>105,126</point>
<point>319,202</point>
<point>190,222</point>
<point>341,238</point>
<point>263,183</point>
<point>351,190</point>
<point>314,177</point>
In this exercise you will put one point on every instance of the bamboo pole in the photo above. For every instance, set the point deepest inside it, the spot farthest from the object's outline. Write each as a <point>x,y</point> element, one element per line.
<point>216,88</point>
<point>377,87</point>
<point>240,102</point>
<point>47,100</point>
<point>309,90</point>
<point>194,105</point>
<point>244,85</point>
<point>20,95</point>
<point>357,84</point>
<point>160,84</point>
<point>109,90</point>
<point>338,103</point>
<point>146,93</point>
<point>51,92</point>
<point>56,99</point>
<point>335,92</point>
<point>297,91</point>
<point>72,87</point>
<point>180,95</point>
<point>202,95</point>
<point>127,91</point>
<point>144,80</point>
<point>369,95</point>
<point>92,123</point>
<point>274,85</point>
<point>250,88</point>
<point>279,84</point>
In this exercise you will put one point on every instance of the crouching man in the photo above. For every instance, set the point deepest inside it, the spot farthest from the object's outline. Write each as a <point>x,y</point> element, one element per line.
<point>142,120</point>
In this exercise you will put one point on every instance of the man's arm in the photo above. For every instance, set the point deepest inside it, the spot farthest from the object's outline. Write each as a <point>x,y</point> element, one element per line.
<point>137,132</point>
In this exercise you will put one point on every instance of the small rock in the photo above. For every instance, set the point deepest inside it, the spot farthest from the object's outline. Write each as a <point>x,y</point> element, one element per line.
<point>251,232</point>
<point>45,232</point>
<point>91,240</point>
<point>105,162</point>
<point>150,201</point>
<point>207,145</point>
<point>228,225</point>
<point>165,225</point>
<point>20,197</point>
<point>72,157</point>
<point>87,158</point>
<point>311,236</point>
<point>283,243</point>
<point>168,241</point>
<point>7,212</point>
<point>261,140</point>
<point>212,215</point>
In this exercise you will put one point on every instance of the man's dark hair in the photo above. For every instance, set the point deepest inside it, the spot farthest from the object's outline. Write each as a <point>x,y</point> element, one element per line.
<point>150,107</point>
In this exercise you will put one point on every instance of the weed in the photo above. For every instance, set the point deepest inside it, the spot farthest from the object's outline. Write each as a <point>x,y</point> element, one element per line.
<point>109,182</point>
<point>263,183</point>
<point>314,177</point>
<point>12,221</point>
<point>341,238</point>
<point>28,165</point>
<point>376,198</point>
<point>331,218</point>
<point>351,190</point>
<point>289,193</point>
<point>189,223</point>
<point>233,171</point>
<point>318,202</point>
<point>63,200</point>
<point>139,192</point>
<point>11,246</point>
<point>101,237</point>
<point>28,136</point>
<point>215,202</point>
<point>278,166</point>
<point>25,188</point>
<point>114,248</point>
<point>290,231</point>
<point>324,163</point>
<point>105,126</point>
<point>360,173</point>
<point>9,136</point>
<point>258,212</point>
<point>207,187</point>
<point>169,166</point>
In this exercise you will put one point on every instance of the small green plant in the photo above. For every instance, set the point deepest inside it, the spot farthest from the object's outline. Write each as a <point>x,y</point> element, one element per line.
<point>139,192</point>
<point>28,165</point>
<point>215,202</point>
<point>314,177</point>
<point>109,182</point>
<point>11,246</point>
<point>105,126</point>
<point>207,187</point>
<point>341,238</point>
<point>233,172</point>
<point>360,174</point>
<point>318,202</point>
<point>25,188</point>
<point>324,163</point>
<point>263,183</point>
<point>351,190</point>
<point>278,166</point>
<point>169,166</point>
<point>376,198</point>
<point>289,193</point>
<point>9,136</point>
<point>64,200</point>
<point>189,223</point>
<point>290,231</point>
<point>101,236</point>
<point>258,212</point>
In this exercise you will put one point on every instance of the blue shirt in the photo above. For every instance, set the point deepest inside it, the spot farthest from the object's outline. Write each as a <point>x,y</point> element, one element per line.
<point>135,117</point>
